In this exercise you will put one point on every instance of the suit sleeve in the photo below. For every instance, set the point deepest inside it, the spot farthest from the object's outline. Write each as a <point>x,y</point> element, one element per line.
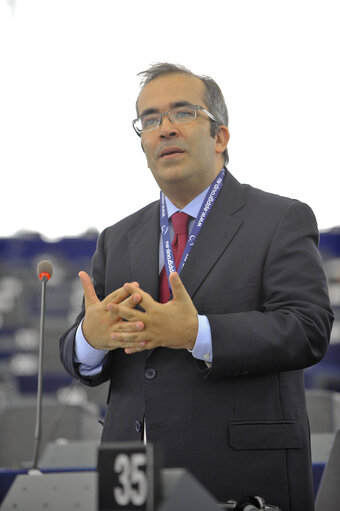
<point>67,340</point>
<point>291,327</point>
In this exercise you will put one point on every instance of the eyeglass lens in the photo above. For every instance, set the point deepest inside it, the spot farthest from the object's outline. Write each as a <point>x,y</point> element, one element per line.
<point>177,115</point>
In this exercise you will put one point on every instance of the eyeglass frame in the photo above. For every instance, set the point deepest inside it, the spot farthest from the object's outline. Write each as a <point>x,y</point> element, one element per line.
<point>196,107</point>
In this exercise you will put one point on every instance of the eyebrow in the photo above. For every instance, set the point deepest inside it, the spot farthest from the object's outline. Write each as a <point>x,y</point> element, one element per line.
<point>172,105</point>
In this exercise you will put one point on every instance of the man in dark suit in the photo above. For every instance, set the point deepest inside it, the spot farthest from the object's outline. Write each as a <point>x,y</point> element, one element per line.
<point>215,374</point>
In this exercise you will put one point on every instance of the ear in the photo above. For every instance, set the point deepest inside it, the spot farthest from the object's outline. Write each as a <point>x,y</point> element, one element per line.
<point>221,139</point>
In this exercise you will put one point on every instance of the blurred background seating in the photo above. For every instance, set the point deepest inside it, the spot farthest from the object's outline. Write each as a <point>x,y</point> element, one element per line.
<point>71,411</point>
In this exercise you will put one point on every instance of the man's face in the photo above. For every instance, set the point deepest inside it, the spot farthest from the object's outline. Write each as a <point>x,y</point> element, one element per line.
<point>179,155</point>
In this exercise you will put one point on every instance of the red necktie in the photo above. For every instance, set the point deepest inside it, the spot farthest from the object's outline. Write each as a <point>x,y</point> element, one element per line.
<point>180,223</point>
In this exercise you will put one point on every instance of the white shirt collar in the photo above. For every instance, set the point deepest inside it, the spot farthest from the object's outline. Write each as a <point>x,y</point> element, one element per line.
<point>191,209</point>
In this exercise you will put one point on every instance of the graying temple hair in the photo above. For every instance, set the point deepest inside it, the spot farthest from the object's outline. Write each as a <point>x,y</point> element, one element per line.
<point>213,96</point>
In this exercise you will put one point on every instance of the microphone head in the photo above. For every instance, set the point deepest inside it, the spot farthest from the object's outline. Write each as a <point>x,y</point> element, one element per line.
<point>44,269</point>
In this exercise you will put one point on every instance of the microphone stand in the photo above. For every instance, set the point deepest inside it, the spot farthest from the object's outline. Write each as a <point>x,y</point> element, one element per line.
<point>37,434</point>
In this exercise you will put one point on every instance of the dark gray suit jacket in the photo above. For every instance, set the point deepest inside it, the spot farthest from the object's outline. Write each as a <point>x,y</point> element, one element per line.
<point>240,426</point>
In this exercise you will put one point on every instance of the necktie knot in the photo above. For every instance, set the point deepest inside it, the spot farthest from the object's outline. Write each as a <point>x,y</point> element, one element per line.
<point>180,223</point>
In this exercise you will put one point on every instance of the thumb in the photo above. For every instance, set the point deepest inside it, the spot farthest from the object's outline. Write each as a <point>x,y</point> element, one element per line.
<point>89,292</point>
<point>178,290</point>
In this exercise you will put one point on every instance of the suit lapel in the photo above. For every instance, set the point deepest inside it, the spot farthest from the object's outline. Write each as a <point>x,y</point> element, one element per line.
<point>143,242</point>
<point>216,234</point>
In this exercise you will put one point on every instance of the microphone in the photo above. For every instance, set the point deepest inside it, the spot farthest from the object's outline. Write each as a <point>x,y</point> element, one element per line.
<point>44,272</point>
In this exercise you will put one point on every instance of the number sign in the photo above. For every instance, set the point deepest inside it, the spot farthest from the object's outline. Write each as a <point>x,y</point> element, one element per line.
<point>128,478</point>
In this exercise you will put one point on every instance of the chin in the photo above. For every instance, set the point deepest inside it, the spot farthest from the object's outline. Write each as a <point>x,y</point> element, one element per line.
<point>173,177</point>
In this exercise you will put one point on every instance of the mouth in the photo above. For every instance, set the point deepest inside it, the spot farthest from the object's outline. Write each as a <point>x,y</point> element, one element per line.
<point>170,152</point>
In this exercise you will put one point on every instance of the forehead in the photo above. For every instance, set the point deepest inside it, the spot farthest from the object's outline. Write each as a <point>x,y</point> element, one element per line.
<point>162,92</point>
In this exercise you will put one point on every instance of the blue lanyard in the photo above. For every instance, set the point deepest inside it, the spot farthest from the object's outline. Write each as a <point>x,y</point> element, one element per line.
<point>207,204</point>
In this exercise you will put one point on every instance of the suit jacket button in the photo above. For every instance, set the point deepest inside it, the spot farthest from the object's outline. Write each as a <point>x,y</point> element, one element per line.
<point>138,426</point>
<point>150,373</point>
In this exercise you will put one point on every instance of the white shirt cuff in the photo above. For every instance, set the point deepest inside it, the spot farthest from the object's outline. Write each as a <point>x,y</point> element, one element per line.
<point>89,359</point>
<point>203,345</point>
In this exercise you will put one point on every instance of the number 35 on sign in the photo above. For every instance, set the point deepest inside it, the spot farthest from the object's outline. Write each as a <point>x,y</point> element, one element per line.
<point>128,477</point>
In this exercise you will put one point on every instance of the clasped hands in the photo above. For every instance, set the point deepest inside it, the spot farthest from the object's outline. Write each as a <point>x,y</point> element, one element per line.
<point>116,323</point>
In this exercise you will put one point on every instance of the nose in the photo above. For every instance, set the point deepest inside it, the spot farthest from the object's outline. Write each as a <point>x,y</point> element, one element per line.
<point>167,128</point>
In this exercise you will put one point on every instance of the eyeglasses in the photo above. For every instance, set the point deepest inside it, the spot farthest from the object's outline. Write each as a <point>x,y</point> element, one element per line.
<point>177,115</point>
